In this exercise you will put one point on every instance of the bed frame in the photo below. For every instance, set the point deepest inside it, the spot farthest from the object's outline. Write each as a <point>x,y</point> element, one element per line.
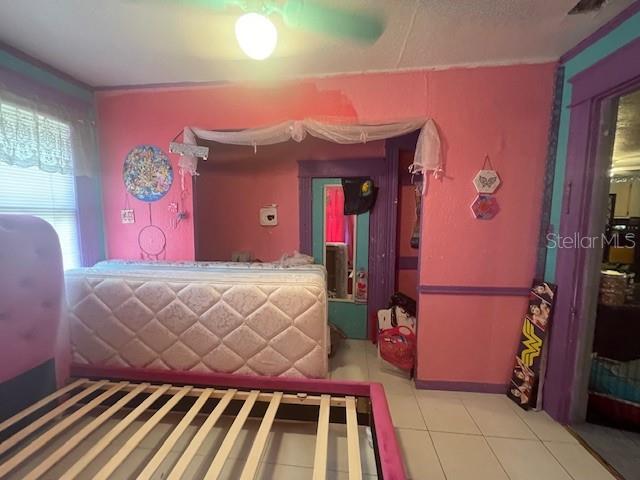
<point>113,391</point>
<point>97,394</point>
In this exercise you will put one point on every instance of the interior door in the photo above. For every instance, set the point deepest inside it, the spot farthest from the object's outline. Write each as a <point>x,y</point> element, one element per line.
<point>341,244</point>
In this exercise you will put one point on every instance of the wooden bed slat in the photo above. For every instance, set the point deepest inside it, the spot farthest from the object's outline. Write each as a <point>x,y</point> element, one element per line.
<point>259,443</point>
<point>289,398</point>
<point>58,428</point>
<point>40,403</point>
<point>106,471</point>
<point>82,463</point>
<point>175,435</point>
<point>32,427</point>
<point>182,464</point>
<point>73,442</point>
<point>230,439</point>
<point>322,440</point>
<point>353,443</point>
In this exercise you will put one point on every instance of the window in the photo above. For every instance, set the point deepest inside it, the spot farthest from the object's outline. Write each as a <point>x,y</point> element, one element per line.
<point>36,177</point>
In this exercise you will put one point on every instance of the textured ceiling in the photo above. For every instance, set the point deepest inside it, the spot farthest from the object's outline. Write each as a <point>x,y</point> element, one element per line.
<point>129,42</point>
<point>626,147</point>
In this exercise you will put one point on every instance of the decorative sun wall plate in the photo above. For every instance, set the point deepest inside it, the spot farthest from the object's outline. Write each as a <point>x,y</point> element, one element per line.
<point>147,173</point>
<point>485,207</point>
<point>486,181</point>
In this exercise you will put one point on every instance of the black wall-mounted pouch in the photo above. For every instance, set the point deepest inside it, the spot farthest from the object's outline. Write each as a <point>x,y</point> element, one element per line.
<point>359,195</point>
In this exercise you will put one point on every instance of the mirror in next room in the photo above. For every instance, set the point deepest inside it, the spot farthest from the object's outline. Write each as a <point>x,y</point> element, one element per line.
<point>339,239</point>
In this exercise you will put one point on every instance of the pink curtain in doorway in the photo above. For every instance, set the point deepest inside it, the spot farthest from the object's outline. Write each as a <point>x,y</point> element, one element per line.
<point>339,228</point>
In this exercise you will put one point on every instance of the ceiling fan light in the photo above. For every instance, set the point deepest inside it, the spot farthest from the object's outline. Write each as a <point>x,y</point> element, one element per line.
<point>257,35</point>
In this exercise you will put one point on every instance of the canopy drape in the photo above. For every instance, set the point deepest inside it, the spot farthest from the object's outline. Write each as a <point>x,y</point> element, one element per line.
<point>427,156</point>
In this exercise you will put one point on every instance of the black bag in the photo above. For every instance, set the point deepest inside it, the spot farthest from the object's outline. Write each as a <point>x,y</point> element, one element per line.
<point>403,301</point>
<point>359,195</point>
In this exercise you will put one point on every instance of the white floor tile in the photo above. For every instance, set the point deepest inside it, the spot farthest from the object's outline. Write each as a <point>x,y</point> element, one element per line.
<point>467,457</point>
<point>355,373</point>
<point>422,393</point>
<point>350,351</point>
<point>349,362</point>
<point>371,350</point>
<point>527,460</point>
<point>578,461</point>
<point>338,457</point>
<point>293,443</point>
<point>443,414</point>
<point>419,455</point>
<point>545,427</point>
<point>393,383</point>
<point>495,417</point>
<point>405,412</point>
<point>270,471</point>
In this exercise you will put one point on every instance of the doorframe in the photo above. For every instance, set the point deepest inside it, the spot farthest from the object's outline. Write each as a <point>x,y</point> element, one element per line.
<point>382,231</point>
<point>612,76</point>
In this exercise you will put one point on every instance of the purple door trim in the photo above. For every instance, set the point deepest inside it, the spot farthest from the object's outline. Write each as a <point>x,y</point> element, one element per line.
<point>479,290</point>
<point>603,31</point>
<point>611,76</point>
<point>587,86</point>
<point>382,243</point>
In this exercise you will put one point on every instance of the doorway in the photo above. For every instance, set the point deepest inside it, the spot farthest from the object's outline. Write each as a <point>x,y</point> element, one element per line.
<point>383,172</point>
<point>571,338</point>
<point>608,409</point>
<point>341,244</point>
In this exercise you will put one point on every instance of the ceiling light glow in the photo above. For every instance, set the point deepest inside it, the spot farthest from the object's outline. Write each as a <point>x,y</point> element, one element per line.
<point>257,35</point>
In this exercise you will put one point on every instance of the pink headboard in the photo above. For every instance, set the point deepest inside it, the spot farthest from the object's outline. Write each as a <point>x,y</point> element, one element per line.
<point>31,289</point>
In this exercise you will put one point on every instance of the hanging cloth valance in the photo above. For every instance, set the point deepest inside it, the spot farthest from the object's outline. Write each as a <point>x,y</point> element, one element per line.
<point>35,135</point>
<point>427,156</point>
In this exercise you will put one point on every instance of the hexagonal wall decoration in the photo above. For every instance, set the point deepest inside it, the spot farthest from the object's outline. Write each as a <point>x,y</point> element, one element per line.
<point>485,207</point>
<point>486,181</point>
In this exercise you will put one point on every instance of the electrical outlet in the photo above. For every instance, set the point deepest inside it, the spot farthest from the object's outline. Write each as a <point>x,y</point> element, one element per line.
<point>173,207</point>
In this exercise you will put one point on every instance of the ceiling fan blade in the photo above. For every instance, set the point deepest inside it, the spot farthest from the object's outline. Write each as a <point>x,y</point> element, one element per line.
<point>310,15</point>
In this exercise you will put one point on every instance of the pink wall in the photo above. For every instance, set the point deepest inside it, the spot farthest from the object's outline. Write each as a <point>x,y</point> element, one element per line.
<point>233,186</point>
<point>500,111</point>
<point>503,113</point>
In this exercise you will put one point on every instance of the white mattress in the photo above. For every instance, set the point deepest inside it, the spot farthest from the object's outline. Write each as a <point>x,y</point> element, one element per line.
<point>206,265</point>
<point>267,321</point>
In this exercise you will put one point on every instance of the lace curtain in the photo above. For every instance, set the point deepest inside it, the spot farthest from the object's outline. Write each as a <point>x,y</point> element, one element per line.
<point>29,139</point>
<point>45,137</point>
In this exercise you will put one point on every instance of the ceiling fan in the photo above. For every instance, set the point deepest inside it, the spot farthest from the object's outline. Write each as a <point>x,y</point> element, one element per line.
<point>317,16</point>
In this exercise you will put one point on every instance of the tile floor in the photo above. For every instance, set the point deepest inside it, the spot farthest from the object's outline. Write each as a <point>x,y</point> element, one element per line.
<point>620,448</point>
<point>469,436</point>
<point>444,436</point>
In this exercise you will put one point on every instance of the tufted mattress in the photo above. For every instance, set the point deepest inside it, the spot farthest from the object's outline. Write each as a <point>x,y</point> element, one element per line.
<point>267,321</point>
<point>207,265</point>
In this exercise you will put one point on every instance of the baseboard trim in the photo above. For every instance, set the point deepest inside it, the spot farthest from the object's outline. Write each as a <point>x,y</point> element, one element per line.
<point>461,386</point>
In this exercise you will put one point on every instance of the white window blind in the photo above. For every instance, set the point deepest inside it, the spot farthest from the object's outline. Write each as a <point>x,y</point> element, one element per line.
<point>33,191</point>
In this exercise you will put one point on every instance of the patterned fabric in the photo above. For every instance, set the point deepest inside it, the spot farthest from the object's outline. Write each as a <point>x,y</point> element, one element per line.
<point>554,126</point>
<point>28,139</point>
<point>270,323</point>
